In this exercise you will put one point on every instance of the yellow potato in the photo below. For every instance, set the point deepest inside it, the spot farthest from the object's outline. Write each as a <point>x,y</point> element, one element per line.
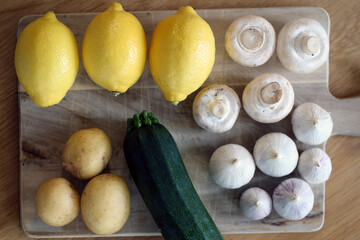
<point>57,202</point>
<point>105,204</point>
<point>87,153</point>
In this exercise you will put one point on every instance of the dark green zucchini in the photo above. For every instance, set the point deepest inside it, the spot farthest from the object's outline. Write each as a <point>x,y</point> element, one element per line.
<point>163,182</point>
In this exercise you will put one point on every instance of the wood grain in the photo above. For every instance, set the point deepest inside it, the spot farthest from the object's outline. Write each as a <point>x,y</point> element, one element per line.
<point>343,191</point>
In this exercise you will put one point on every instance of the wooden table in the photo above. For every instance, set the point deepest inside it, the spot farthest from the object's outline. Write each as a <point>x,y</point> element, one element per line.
<point>342,216</point>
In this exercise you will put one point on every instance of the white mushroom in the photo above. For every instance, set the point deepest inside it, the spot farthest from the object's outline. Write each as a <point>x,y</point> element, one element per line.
<point>250,40</point>
<point>231,166</point>
<point>311,124</point>
<point>268,98</point>
<point>314,166</point>
<point>303,45</point>
<point>255,203</point>
<point>275,154</point>
<point>216,108</point>
<point>293,199</point>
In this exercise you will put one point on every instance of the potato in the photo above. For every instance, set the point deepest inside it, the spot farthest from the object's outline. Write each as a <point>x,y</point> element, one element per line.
<point>87,153</point>
<point>57,202</point>
<point>105,204</point>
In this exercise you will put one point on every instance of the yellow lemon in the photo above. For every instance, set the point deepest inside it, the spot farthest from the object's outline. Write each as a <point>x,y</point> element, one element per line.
<point>46,60</point>
<point>114,49</point>
<point>182,54</point>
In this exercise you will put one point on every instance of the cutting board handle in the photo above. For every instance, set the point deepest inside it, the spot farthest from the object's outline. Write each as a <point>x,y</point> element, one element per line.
<point>346,116</point>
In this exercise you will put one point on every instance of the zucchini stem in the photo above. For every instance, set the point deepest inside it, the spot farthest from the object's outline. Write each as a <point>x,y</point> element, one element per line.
<point>141,119</point>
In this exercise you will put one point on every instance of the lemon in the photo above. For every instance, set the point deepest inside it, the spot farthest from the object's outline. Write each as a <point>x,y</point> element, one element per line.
<point>114,49</point>
<point>182,54</point>
<point>46,60</point>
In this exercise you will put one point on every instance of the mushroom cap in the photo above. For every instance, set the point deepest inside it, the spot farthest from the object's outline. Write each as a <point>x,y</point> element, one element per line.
<point>311,124</point>
<point>216,108</point>
<point>255,203</point>
<point>314,166</point>
<point>293,199</point>
<point>250,40</point>
<point>231,166</point>
<point>272,109</point>
<point>275,154</point>
<point>303,45</point>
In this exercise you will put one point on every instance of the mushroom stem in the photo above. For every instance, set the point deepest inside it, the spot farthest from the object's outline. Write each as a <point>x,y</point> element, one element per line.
<point>218,109</point>
<point>271,93</point>
<point>310,45</point>
<point>251,39</point>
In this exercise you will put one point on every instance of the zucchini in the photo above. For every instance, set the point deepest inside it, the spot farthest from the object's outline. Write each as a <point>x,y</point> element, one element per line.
<point>163,182</point>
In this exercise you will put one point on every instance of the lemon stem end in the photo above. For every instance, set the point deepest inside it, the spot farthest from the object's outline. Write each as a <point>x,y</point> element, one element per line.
<point>50,15</point>
<point>116,6</point>
<point>174,103</point>
<point>115,93</point>
<point>186,9</point>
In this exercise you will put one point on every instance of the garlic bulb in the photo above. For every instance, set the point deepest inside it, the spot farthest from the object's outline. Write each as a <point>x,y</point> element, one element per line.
<point>255,203</point>
<point>293,199</point>
<point>250,40</point>
<point>268,98</point>
<point>303,45</point>
<point>311,124</point>
<point>216,108</point>
<point>275,154</point>
<point>231,166</point>
<point>314,166</point>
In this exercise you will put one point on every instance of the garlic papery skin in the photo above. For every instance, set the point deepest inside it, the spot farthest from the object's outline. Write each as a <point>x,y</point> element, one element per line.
<point>231,166</point>
<point>250,40</point>
<point>255,204</point>
<point>311,124</point>
<point>314,166</point>
<point>303,45</point>
<point>275,154</point>
<point>216,108</point>
<point>293,199</point>
<point>268,98</point>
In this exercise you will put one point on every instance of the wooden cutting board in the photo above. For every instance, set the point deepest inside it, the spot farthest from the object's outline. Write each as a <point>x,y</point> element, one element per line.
<point>44,131</point>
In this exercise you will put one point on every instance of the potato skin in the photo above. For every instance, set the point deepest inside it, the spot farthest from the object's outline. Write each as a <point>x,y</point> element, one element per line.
<point>86,153</point>
<point>57,202</point>
<point>105,204</point>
